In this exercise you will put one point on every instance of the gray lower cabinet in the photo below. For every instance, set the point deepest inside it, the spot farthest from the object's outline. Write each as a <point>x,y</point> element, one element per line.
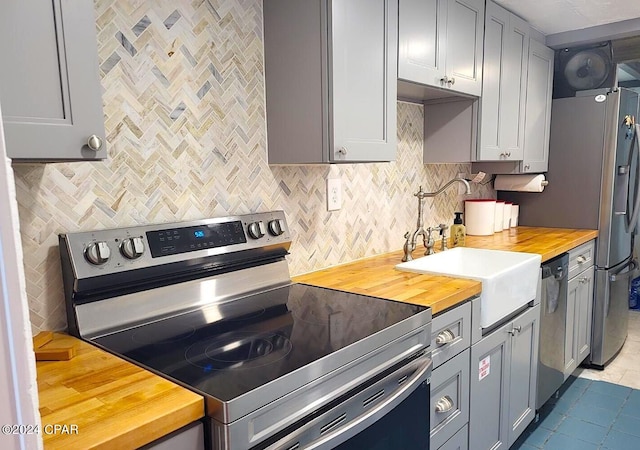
<point>459,441</point>
<point>49,83</point>
<point>331,80</point>
<point>579,319</point>
<point>190,437</point>
<point>503,382</point>
<point>450,334</point>
<point>449,399</point>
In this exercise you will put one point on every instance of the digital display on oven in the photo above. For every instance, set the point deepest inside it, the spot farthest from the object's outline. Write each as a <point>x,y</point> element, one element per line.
<point>189,239</point>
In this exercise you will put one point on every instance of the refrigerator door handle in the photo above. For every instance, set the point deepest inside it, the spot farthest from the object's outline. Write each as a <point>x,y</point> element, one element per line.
<point>633,210</point>
<point>621,194</point>
<point>620,275</point>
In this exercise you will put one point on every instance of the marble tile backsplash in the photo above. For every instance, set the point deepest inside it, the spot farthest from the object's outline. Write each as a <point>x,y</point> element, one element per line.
<point>183,93</point>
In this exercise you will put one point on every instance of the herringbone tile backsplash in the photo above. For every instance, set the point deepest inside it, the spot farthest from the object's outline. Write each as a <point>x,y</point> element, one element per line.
<point>183,93</point>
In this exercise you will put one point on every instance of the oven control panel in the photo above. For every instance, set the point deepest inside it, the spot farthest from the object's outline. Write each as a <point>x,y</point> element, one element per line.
<point>101,252</point>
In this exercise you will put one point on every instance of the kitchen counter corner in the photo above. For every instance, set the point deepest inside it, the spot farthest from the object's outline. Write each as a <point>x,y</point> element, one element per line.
<point>115,404</point>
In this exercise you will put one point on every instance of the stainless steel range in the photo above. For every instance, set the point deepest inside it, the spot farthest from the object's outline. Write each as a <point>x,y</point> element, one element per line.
<point>210,305</point>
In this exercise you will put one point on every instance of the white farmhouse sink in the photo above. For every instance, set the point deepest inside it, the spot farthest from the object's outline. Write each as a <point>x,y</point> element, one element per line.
<point>509,279</point>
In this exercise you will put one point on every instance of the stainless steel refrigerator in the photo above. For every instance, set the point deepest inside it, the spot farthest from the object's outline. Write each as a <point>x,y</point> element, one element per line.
<point>593,183</point>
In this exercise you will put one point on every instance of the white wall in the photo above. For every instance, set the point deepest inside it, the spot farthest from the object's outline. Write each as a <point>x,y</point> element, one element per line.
<point>18,388</point>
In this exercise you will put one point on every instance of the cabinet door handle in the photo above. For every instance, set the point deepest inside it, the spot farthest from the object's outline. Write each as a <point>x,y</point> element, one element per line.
<point>583,280</point>
<point>443,80</point>
<point>451,81</point>
<point>514,330</point>
<point>444,405</point>
<point>581,259</point>
<point>527,167</point>
<point>342,151</point>
<point>94,142</point>
<point>445,337</point>
<point>508,154</point>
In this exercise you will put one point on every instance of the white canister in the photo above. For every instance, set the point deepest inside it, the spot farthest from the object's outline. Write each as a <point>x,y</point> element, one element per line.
<point>479,215</point>
<point>515,210</point>
<point>498,216</point>
<point>506,216</point>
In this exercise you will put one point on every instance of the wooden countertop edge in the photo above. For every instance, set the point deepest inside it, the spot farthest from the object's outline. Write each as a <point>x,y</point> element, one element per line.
<point>154,429</point>
<point>144,406</point>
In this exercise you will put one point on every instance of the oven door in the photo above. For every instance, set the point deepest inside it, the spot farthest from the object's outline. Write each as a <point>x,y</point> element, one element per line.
<point>390,411</point>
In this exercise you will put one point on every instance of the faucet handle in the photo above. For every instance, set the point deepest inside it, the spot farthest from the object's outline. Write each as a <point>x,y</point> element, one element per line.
<point>429,242</point>
<point>407,248</point>
<point>443,228</point>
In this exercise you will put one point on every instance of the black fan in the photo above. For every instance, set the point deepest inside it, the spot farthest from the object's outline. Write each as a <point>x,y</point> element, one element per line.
<point>583,68</point>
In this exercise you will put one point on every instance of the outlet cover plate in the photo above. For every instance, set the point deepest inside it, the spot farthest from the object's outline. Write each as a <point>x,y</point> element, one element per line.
<point>334,194</point>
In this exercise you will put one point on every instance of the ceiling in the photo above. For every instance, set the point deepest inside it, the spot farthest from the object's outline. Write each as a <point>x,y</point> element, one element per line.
<point>556,16</point>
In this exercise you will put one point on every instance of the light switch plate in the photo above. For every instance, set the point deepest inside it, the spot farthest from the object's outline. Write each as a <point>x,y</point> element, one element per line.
<point>334,194</point>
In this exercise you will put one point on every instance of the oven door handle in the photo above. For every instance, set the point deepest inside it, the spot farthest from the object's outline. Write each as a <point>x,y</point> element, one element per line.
<point>360,423</point>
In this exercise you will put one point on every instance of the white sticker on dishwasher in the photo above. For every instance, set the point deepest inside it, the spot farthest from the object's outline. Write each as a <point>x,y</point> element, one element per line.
<point>485,367</point>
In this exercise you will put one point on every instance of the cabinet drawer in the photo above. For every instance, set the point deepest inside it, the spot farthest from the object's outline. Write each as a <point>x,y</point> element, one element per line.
<point>451,334</point>
<point>449,398</point>
<point>581,258</point>
<point>459,441</point>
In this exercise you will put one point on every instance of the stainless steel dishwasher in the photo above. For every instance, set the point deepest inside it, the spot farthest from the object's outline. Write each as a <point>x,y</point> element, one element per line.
<point>553,327</point>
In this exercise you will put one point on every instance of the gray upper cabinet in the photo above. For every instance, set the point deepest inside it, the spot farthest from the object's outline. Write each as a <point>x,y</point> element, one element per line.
<point>331,80</point>
<point>440,43</point>
<point>49,83</point>
<point>538,108</point>
<point>502,105</point>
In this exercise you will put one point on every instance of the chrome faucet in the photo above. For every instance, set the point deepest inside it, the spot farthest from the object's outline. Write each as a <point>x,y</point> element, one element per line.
<point>449,183</point>
<point>428,242</point>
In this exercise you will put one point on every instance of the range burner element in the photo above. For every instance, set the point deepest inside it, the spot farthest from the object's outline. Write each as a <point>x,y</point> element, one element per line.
<point>240,350</point>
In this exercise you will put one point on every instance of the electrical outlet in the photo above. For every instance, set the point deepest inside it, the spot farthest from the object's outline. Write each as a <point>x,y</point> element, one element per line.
<point>334,194</point>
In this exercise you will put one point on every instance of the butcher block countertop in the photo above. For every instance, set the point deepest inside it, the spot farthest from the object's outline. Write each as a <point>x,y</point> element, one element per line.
<point>547,242</point>
<point>113,403</point>
<point>376,276</point>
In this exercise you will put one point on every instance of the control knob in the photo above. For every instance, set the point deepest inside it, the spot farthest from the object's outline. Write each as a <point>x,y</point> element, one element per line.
<point>256,229</point>
<point>97,253</point>
<point>132,248</point>
<point>276,227</point>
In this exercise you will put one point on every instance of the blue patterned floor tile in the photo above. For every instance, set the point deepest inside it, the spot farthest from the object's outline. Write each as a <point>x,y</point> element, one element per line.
<point>524,447</point>
<point>559,441</point>
<point>538,437</point>
<point>563,406</point>
<point>603,401</point>
<point>628,424</point>
<point>617,440</point>
<point>551,420</point>
<point>635,396</point>
<point>575,384</point>
<point>572,395</point>
<point>579,429</point>
<point>598,416</point>
<point>631,408</point>
<point>602,387</point>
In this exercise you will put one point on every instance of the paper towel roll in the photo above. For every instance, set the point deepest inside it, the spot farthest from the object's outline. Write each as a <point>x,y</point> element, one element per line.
<point>521,183</point>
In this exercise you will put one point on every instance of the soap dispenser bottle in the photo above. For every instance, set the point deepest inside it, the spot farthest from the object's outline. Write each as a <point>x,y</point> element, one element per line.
<point>458,231</point>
